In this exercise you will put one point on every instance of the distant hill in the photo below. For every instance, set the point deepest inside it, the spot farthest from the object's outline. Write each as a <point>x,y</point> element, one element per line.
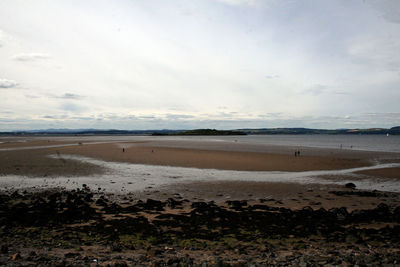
<point>89,132</point>
<point>265,131</point>
<point>209,132</point>
<point>391,131</point>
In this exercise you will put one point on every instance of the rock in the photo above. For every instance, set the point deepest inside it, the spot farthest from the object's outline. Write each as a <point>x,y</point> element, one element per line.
<point>152,204</point>
<point>101,202</point>
<point>237,204</point>
<point>4,249</point>
<point>350,185</point>
<point>117,263</point>
<point>172,260</point>
<point>16,257</point>
<point>32,254</point>
<point>172,203</point>
<point>71,255</point>
<point>154,252</point>
<point>351,239</point>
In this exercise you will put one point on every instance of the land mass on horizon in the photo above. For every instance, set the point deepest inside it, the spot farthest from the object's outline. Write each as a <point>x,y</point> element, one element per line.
<point>244,131</point>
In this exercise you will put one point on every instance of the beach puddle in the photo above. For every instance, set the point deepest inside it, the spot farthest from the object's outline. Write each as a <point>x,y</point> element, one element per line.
<point>127,177</point>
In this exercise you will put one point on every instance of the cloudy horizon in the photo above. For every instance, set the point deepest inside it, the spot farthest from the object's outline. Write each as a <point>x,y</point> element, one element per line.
<point>178,64</point>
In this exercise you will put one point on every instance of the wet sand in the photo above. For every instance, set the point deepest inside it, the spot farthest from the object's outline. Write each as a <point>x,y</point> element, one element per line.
<point>213,159</point>
<point>37,163</point>
<point>391,173</point>
<point>217,155</point>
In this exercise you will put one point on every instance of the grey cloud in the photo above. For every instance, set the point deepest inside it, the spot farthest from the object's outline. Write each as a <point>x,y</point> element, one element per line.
<point>151,117</point>
<point>56,117</point>
<point>340,93</point>
<point>82,118</point>
<point>387,115</point>
<point>271,76</point>
<point>31,56</point>
<point>390,9</point>
<point>68,96</point>
<point>32,96</point>
<point>239,2</point>
<point>71,107</point>
<point>319,89</point>
<point>271,115</point>
<point>7,120</point>
<point>6,84</point>
<point>379,52</point>
<point>178,116</point>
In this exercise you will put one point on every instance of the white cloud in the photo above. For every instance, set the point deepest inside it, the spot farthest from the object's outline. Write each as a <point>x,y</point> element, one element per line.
<point>31,56</point>
<point>6,84</point>
<point>240,2</point>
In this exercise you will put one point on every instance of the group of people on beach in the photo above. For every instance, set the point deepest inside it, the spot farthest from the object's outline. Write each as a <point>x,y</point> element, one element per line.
<point>297,153</point>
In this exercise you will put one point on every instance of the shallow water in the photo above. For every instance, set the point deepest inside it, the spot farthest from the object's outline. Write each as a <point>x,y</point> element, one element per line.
<point>376,143</point>
<point>126,177</point>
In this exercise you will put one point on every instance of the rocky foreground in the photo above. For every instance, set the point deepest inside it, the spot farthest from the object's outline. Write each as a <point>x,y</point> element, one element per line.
<point>85,228</point>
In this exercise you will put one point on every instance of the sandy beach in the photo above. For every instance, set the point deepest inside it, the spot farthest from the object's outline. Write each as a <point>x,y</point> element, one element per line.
<point>225,156</point>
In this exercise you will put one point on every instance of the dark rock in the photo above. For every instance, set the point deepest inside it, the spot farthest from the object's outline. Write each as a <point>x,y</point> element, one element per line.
<point>101,202</point>
<point>32,254</point>
<point>4,249</point>
<point>113,208</point>
<point>16,257</point>
<point>237,204</point>
<point>154,252</point>
<point>71,255</point>
<point>172,203</point>
<point>115,263</point>
<point>350,185</point>
<point>152,204</point>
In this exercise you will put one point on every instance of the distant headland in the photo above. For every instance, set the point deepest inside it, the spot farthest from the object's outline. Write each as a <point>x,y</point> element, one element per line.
<point>245,131</point>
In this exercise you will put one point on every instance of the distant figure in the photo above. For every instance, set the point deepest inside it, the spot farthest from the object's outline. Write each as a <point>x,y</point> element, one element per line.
<point>341,146</point>
<point>123,149</point>
<point>152,151</point>
<point>295,153</point>
<point>298,153</point>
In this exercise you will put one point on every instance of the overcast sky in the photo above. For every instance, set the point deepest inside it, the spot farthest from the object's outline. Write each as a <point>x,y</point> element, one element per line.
<point>221,64</point>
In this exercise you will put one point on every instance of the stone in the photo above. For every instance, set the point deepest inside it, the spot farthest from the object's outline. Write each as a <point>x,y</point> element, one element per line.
<point>16,257</point>
<point>4,249</point>
<point>350,185</point>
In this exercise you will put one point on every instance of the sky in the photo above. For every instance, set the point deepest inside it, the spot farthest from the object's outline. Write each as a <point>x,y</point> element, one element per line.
<point>187,64</point>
